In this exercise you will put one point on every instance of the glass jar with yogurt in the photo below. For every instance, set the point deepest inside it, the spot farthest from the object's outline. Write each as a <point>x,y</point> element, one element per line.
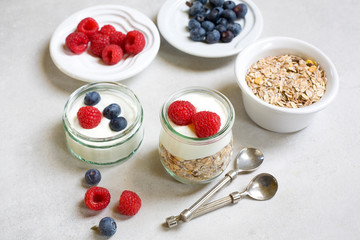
<point>186,157</point>
<point>101,145</point>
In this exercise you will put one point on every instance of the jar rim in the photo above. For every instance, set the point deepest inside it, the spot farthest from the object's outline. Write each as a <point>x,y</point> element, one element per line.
<point>103,86</point>
<point>218,95</point>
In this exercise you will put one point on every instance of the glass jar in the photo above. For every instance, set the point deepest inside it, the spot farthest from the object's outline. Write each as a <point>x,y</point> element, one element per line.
<point>101,145</point>
<point>186,157</point>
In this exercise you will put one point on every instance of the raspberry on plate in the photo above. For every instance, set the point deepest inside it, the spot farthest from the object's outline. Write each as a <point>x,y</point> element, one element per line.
<point>97,198</point>
<point>98,43</point>
<point>107,30</point>
<point>129,203</point>
<point>181,112</point>
<point>118,38</point>
<point>88,26</point>
<point>89,117</point>
<point>206,123</point>
<point>77,42</point>
<point>134,42</point>
<point>112,54</point>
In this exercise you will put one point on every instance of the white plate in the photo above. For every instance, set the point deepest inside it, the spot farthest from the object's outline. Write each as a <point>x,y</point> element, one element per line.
<point>89,68</point>
<point>173,19</point>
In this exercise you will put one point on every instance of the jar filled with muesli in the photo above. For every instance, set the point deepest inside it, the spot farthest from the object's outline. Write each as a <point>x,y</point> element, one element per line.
<point>196,140</point>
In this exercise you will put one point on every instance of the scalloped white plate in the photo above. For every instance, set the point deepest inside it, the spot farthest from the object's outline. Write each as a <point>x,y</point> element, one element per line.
<point>173,19</point>
<point>89,68</point>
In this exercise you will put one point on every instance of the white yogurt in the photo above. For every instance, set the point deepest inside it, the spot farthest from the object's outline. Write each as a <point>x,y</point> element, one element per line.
<point>101,145</point>
<point>182,147</point>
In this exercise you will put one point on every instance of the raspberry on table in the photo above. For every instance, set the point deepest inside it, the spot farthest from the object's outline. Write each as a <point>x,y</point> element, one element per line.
<point>107,30</point>
<point>206,123</point>
<point>97,198</point>
<point>118,38</point>
<point>112,54</point>
<point>88,26</point>
<point>98,43</point>
<point>134,42</point>
<point>77,42</point>
<point>129,203</point>
<point>181,112</point>
<point>89,117</point>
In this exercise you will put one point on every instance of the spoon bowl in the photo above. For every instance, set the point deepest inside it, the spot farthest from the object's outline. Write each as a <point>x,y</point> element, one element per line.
<point>248,160</point>
<point>262,187</point>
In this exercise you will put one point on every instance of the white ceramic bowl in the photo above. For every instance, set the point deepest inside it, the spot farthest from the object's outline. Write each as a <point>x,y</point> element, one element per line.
<point>281,119</point>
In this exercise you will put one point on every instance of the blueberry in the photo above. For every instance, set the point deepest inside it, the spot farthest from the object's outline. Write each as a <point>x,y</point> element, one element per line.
<point>227,36</point>
<point>207,25</point>
<point>221,28</point>
<point>107,226</point>
<point>216,3</point>
<point>229,15</point>
<point>197,34</point>
<point>193,23</point>
<point>202,1</point>
<point>240,10</point>
<point>235,28</point>
<point>117,124</point>
<point>222,21</point>
<point>229,5</point>
<point>92,98</point>
<point>112,111</point>
<point>200,18</point>
<point>213,36</point>
<point>206,11</point>
<point>215,13</point>
<point>92,177</point>
<point>196,8</point>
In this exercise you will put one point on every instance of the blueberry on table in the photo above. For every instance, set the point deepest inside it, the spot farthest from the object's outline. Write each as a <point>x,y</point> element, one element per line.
<point>117,124</point>
<point>92,98</point>
<point>107,226</point>
<point>92,177</point>
<point>197,34</point>
<point>213,36</point>
<point>112,111</point>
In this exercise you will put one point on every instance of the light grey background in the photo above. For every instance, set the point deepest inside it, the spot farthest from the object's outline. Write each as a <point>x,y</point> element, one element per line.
<point>41,182</point>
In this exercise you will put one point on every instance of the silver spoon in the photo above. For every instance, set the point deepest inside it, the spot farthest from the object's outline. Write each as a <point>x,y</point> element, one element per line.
<point>262,187</point>
<point>247,160</point>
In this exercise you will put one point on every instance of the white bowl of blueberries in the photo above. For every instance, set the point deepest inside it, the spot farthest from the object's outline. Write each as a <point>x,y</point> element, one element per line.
<point>210,28</point>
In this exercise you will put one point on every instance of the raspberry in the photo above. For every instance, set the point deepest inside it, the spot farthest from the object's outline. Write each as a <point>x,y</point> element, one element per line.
<point>77,42</point>
<point>118,38</point>
<point>88,26</point>
<point>89,117</point>
<point>98,43</point>
<point>107,30</point>
<point>134,42</point>
<point>129,203</point>
<point>181,112</point>
<point>206,123</point>
<point>97,198</point>
<point>112,54</point>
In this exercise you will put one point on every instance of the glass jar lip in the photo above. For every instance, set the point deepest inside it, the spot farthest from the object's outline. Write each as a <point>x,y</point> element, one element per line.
<point>103,86</point>
<point>224,100</point>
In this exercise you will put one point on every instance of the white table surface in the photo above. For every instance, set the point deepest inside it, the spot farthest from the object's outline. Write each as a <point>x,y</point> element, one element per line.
<point>317,168</point>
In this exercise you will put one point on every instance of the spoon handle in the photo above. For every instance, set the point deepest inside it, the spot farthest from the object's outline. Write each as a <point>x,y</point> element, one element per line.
<point>188,214</point>
<point>233,198</point>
